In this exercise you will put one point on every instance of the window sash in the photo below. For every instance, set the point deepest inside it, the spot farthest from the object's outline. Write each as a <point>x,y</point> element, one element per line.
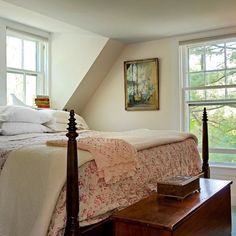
<point>26,35</point>
<point>40,54</point>
<point>223,150</point>
<point>210,87</point>
<point>203,70</point>
<point>186,86</point>
<point>25,75</point>
<point>211,102</point>
<point>214,149</point>
<point>41,70</point>
<point>14,70</point>
<point>220,150</point>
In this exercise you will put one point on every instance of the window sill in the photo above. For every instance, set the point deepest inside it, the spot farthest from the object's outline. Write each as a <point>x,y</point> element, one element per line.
<point>223,165</point>
<point>222,169</point>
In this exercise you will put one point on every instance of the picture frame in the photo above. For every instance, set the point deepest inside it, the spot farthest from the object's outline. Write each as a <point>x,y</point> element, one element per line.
<point>141,80</point>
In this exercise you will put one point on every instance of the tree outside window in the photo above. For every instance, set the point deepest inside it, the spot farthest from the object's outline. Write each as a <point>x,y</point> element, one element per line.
<point>210,81</point>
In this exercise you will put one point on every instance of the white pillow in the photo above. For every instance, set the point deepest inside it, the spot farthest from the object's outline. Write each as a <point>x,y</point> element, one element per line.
<point>16,101</point>
<point>63,118</point>
<point>14,128</point>
<point>57,127</point>
<point>23,114</point>
<point>81,124</point>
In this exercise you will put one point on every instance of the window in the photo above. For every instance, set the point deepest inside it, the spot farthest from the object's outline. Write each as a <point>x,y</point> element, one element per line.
<point>26,66</point>
<point>209,80</point>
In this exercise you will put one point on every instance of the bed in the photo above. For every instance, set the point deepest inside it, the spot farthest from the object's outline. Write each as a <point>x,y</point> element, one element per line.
<point>95,218</point>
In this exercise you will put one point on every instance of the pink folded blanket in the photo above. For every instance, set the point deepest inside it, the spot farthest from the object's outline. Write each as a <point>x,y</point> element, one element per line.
<point>115,158</point>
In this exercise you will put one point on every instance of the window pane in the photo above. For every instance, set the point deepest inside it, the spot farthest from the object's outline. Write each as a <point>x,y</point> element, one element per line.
<point>231,93</point>
<point>215,78</point>
<point>220,157</point>
<point>196,59</point>
<point>30,89</point>
<point>197,95</point>
<point>29,55</point>
<point>215,57</point>
<point>210,94</point>
<point>231,54</point>
<point>231,77</point>
<point>221,125</point>
<point>14,52</point>
<point>216,94</point>
<point>15,85</point>
<point>196,80</point>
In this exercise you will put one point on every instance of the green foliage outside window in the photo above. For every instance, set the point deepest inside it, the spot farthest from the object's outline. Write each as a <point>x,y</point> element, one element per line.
<point>212,72</point>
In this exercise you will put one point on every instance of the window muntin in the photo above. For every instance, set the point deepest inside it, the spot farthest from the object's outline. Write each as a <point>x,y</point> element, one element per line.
<point>209,73</point>
<point>26,67</point>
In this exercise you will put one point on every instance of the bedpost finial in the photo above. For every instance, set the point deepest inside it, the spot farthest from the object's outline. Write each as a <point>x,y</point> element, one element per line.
<point>72,134</point>
<point>204,116</point>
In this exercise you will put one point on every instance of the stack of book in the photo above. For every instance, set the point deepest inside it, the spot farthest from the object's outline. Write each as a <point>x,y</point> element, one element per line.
<point>42,101</point>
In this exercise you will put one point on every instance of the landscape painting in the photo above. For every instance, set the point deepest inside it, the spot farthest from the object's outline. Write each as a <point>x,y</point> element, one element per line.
<point>141,84</point>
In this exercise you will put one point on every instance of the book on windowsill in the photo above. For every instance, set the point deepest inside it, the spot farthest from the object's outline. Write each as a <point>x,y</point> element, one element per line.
<point>178,186</point>
<point>42,101</point>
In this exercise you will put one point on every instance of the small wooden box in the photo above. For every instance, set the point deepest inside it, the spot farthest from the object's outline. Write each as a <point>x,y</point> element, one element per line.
<point>178,186</point>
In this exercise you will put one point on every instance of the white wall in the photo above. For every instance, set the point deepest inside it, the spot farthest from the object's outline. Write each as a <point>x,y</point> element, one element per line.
<point>95,75</point>
<point>73,54</point>
<point>106,109</point>
<point>2,64</point>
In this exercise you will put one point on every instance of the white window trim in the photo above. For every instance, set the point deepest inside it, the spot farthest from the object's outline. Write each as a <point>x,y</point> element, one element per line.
<point>183,63</point>
<point>25,28</point>
<point>3,81</point>
<point>30,31</point>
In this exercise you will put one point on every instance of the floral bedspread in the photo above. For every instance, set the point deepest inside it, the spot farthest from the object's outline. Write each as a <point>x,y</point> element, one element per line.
<point>98,200</point>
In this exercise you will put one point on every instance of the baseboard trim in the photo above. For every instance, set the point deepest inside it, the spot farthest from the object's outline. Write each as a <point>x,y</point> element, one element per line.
<point>226,173</point>
<point>233,200</point>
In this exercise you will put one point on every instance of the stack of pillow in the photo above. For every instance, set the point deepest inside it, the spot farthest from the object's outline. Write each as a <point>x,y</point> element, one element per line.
<point>20,120</point>
<point>61,119</point>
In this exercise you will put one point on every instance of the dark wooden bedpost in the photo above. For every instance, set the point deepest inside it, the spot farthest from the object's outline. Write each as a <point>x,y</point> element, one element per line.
<point>205,148</point>
<point>72,190</point>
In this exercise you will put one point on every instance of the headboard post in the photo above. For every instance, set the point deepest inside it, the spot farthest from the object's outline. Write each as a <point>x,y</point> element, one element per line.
<point>72,190</point>
<point>205,148</point>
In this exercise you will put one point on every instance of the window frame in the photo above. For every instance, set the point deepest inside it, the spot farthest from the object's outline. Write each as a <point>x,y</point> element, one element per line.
<point>186,103</point>
<point>41,70</point>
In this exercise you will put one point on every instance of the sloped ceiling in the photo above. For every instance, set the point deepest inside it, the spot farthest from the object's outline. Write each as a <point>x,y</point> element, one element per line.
<point>95,75</point>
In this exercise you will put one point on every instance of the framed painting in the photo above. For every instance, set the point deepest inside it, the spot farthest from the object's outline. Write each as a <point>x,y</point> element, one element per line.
<point>141,84</point>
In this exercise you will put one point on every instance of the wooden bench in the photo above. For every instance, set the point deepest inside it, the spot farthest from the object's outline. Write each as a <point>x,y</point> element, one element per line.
<point>204,213</point>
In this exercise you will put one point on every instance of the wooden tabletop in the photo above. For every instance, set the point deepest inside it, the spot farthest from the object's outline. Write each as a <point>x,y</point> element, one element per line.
<point>169,211</point>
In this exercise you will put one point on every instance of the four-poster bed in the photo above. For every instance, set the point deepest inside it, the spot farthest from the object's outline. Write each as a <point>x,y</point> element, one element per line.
<point>72,201</point>
<point>116,170</point>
